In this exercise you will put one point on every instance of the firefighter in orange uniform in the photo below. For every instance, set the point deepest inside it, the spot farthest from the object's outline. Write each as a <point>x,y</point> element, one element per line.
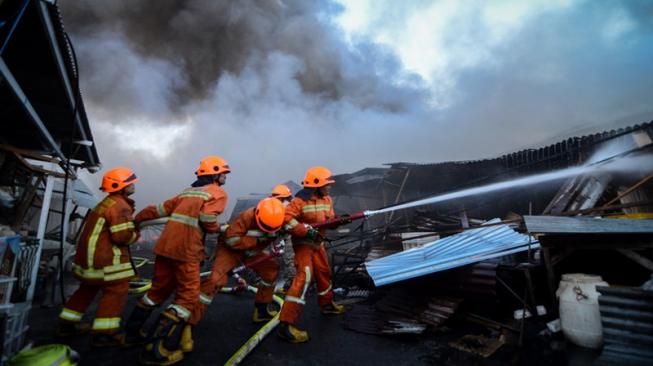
<point>103,263</point>
<point>310,205</point>
<point>179,252</point>
<point>282,193</point>
<point>250,237</point>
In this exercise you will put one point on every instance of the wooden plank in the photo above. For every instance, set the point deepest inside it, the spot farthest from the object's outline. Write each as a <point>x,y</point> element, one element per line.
<point>586,225</point>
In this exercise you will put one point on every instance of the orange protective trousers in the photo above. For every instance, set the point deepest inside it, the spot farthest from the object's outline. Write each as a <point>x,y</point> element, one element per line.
<point>109,312</point>
<point>311,262</point>
<point>171,275</point>
<point>227,259</point>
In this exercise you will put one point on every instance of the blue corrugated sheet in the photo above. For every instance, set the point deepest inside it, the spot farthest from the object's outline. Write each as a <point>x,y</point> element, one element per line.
<point>458,250</point>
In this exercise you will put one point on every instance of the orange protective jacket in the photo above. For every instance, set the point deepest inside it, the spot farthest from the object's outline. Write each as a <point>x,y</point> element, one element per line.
<point>244,234</point>
<point>191,213</point>
<point>102,250</point>
<point>299,211</point>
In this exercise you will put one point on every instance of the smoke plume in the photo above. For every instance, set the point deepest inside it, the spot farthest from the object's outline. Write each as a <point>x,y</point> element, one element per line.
<point>276,86</point>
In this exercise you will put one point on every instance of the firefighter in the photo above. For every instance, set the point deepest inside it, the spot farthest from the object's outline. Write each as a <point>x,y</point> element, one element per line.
<point>283,193</point>
<point>103,262</point>
<point>310,205</point>
<point>179,253</point>
<point>251,236</point>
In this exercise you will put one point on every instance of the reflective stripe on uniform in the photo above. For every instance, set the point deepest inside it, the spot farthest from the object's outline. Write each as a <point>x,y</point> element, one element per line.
<point>291,224</point>
<point>92,241</point>
<point>70,315</point>
<point>255,233</point>
<point>103,206</point>
<point>117,267</point>
<point>119,275</point>
<point>120,227</point>
<point>325,291</point>
<point>196,194</point>
<point>265,284</point>
<point>307,283</point>
<point>205,299</point>
<point>161,210</point>
<point>106,323</point>
<point>316,208</point>
<point>147,301</point>
<point>294,299</point>
<point>109,273</point>
<point>116,255</point>
<point>181,311</point>
<point>192,221</point>
<point>232,241</point>
<point>208,218</point>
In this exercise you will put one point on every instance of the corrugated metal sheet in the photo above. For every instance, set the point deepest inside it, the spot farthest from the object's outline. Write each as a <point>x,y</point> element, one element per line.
<point>627,317</point>
<point>439,309</point>
<point>586,225</point>
<point>475,281</point>
<point>468,247</point>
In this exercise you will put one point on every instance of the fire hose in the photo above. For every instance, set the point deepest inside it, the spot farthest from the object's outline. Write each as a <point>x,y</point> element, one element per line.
<point>258,337</point>
<point>139,285</point>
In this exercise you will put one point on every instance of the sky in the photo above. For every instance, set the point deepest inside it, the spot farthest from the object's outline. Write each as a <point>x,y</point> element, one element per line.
<point>277,86</point>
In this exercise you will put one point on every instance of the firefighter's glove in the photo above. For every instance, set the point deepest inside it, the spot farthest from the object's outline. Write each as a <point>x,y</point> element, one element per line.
<point>312,234</point>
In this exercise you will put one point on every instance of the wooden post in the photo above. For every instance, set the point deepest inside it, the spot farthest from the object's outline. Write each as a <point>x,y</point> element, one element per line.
<point>550,275</point>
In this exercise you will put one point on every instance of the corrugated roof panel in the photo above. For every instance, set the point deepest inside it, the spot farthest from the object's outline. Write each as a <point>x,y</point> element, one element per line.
<point>468,247</point>
<point>586,225</point>
<point>627,318</point>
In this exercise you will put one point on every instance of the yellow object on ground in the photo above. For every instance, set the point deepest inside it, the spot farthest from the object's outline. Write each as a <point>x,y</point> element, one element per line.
<point>257,337</point>
<point>48,355</point>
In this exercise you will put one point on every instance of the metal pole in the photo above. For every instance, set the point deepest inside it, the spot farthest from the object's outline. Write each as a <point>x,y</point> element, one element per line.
<point>56,52</point>
<point>40,234</point>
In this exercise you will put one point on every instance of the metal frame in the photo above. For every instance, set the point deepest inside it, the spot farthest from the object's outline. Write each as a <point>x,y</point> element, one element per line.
<point>20,95</point>
<point>40,233</point>
<point>54,47</point>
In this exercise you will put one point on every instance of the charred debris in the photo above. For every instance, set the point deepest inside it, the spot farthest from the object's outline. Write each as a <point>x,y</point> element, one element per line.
<point>479,274</point>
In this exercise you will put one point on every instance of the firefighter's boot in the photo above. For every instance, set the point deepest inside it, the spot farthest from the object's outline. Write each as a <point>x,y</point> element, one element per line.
<point>292,334</point>
<point>186,343</point>
<point>164,348</point>
<point>333,309</point>
<point>263,313</point>
<point>135,333</point>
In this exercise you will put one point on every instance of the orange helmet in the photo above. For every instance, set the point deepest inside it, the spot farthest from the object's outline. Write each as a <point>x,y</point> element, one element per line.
<point>281,191</point>
<point>269,214</point>
<point>117,179</point>
<point>317,176</point>
<point>212,165</point>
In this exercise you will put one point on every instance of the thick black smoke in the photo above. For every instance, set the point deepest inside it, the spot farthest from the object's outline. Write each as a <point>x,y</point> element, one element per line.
<point>192,43</point>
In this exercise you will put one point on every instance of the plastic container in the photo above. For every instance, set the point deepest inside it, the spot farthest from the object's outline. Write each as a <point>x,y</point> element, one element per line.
<point>6,286</point>
<point>580,317</point>
<point>15,328</point>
